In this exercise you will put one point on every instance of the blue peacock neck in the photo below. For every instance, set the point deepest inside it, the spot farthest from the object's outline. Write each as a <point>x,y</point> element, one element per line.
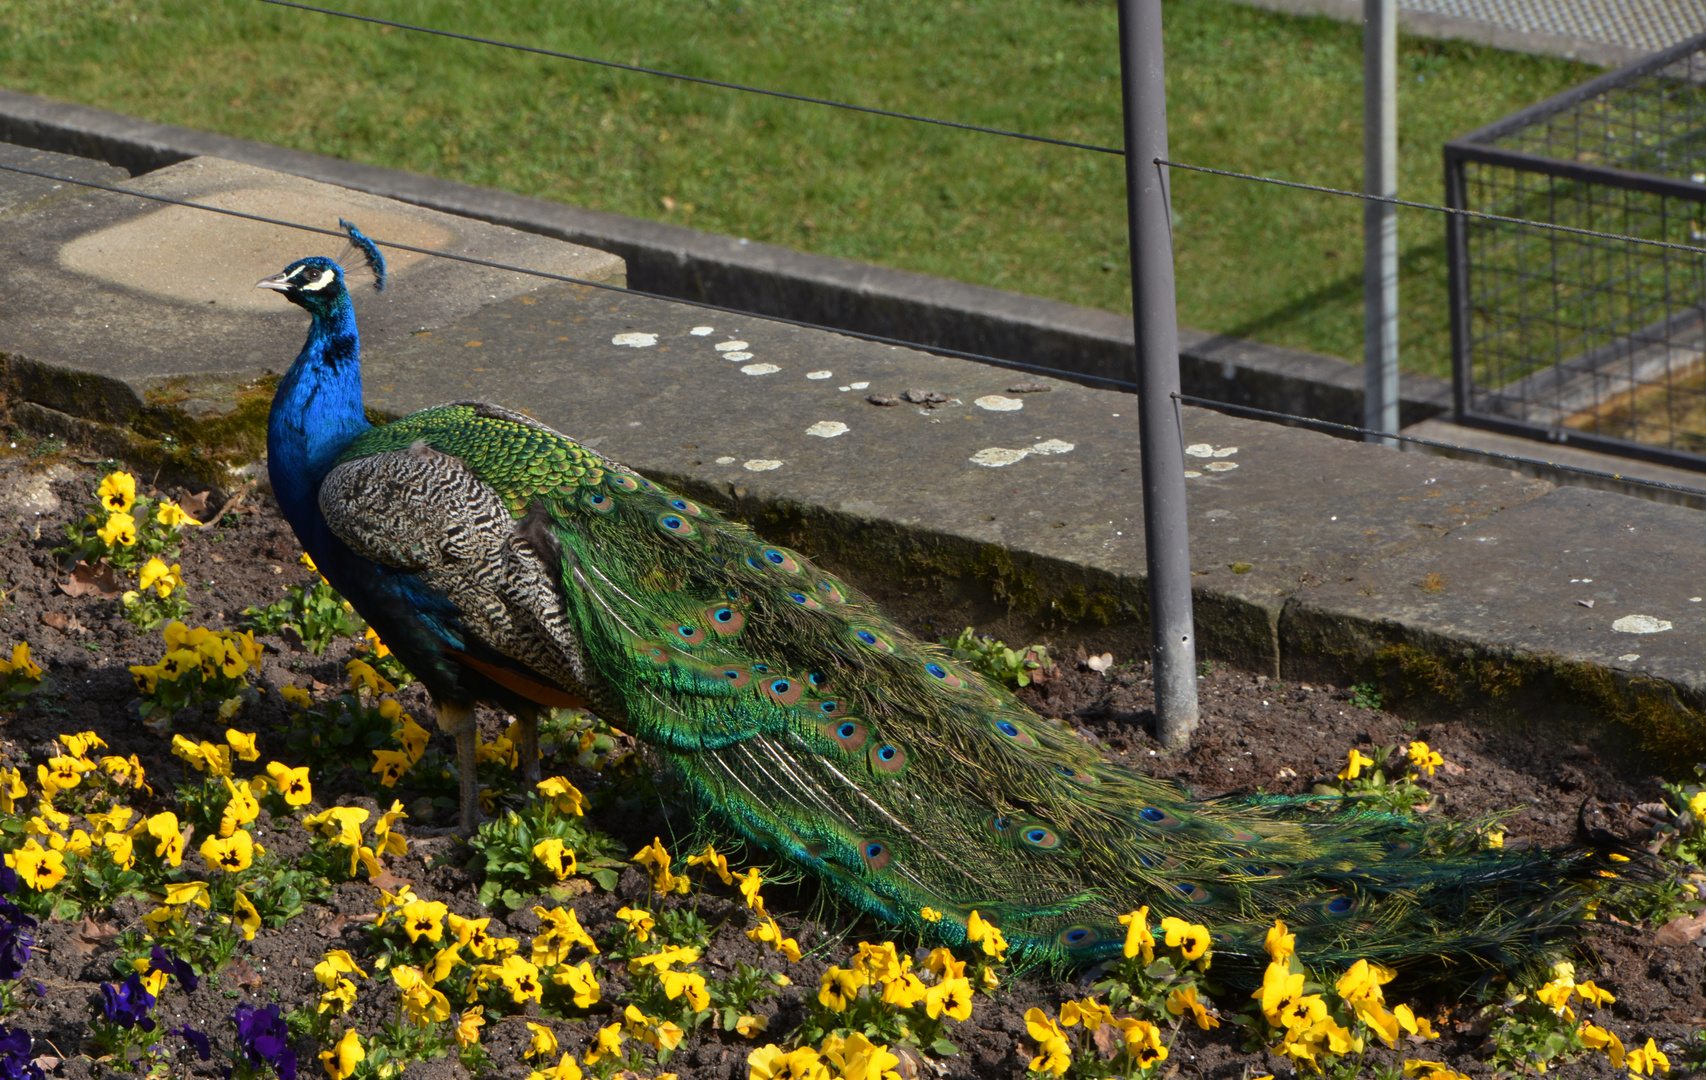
<point>316,412</point>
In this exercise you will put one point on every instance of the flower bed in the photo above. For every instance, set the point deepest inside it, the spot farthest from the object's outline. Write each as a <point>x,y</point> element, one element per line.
<point>212,812</point>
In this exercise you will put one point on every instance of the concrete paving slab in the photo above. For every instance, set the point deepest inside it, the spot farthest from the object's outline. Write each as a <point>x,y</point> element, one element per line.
<point>115,304</point>
<point>20,194</point>
<point>1591,590</point>
<point>1544,459</point>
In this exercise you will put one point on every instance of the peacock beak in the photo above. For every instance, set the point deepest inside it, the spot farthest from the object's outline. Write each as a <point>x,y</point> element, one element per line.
<point>277,283</point>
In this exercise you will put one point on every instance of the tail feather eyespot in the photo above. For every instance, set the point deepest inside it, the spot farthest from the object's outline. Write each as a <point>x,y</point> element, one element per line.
<point>779,559</point>
<point>622,482</point>
<point>1039,837</point>
<point>1080,937</point>
<point>688,635</point>
<point>876,854</point>
<point>870,639</point>
<point>725,620</point>
<point>599,503</point>
<point>942,674</point>
<point>1158,818</point>
<point>850,735</point>
<point>676,525</point>
<point>783,691</point>
<point>888,758</point>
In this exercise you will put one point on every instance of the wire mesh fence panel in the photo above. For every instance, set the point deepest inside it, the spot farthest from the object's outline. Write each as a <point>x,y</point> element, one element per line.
<point>1587,339</point>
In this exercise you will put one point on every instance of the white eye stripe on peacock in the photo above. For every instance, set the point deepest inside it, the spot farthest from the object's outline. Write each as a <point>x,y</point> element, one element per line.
<point>326,278</point>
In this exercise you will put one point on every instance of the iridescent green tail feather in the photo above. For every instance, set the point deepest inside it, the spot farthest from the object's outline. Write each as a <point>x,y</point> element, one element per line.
<point>804,720</point>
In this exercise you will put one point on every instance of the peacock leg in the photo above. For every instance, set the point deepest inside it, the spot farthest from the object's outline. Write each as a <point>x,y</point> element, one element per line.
<point>458,719</point>
<point>529,748</point>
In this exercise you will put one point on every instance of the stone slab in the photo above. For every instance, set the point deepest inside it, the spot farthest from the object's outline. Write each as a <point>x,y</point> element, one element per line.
<point>109,298</point>
<point>1542,459</point>
<point>21,193</point>
<point>1514,590</point>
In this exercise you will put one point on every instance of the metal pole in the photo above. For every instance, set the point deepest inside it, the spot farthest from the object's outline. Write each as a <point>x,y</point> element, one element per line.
<point>1380,220</point>
<point>1154,312</point>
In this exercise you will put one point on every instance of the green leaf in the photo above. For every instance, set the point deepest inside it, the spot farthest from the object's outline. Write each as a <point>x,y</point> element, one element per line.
<point>943,1048</point>
<point>606,879</point>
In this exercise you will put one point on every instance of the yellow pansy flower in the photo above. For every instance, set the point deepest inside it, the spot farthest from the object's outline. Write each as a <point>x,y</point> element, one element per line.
<point>1355,762</point>
<point>119,531</point>
<point>340,1061</point>
<point>37,867</point>
<point>117,492</point>
<point>229,853</point>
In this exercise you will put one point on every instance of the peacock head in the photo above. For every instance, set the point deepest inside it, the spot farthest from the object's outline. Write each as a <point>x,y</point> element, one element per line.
<point>315,284</point>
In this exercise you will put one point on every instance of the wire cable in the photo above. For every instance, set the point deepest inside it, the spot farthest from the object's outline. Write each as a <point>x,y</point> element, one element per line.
<point>1430,206</point>
<point>994,361</point>
<point>1577,469</point>
<point>719,83</point>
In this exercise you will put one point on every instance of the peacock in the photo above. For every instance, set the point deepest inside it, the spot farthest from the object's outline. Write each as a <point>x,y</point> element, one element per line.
<point>506,563</point>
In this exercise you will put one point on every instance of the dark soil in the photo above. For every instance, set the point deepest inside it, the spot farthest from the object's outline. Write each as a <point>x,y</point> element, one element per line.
<point>1255,734</point>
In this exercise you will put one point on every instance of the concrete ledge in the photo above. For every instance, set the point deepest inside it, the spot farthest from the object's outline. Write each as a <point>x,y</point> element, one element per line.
<point>764,279</point>
<point>1543,458</point>
<point>1450,27</point>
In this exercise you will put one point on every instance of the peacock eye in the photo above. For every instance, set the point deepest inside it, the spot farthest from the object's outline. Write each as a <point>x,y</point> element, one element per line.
<point>1010,730</point>
<point>599,500</point>
<point>730,673</point>
<point>867,637</point>
<point>887,753</point>
<point>776,557</point>
<point>937,670</point>
<point>873,850</point>
<point>1340,905</point>
<point>846,730</point>
<point>686,631</point>
<point>678,504</point>
<point>1036,836</point>
<point>723,614</point>
<point>798,598</point>
<point>1149,813</point>
<point>1073,937</point>
<point>780,686</point>
<point>1067,770</point>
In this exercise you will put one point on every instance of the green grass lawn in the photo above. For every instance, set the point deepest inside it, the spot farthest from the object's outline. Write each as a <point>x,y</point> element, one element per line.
<point>1248,90</point>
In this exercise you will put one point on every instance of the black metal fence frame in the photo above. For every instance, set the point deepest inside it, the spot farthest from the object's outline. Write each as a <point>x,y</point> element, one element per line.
<point>1478,147</point>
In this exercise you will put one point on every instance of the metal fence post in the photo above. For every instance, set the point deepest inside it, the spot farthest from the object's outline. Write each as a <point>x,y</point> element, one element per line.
<point>1380,220</point>
<point>1166,530</point>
